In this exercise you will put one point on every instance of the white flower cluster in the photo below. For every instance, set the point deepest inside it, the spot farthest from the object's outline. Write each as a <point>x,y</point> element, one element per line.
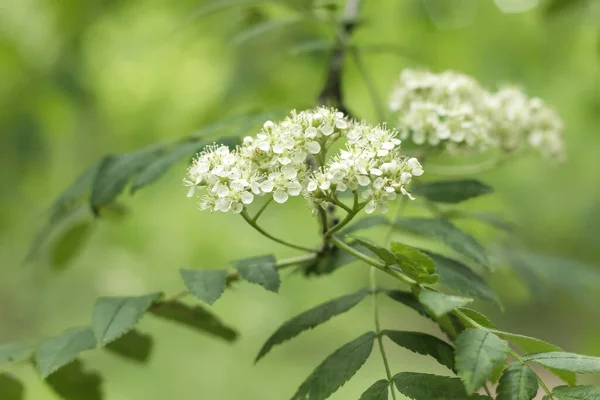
<point>372,162</point>
<point>274,163</point>
<point>440,110</point>
<point>520,121</point>
<point>453,112</point>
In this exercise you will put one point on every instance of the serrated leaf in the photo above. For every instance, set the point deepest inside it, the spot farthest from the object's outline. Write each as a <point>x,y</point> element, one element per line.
<point>74,383</point>
<point>532,345</point>
<point>571,362</point>
<point>263,28</point>
<point>384,254</point>
<point>365,223</point>
<point>115,316</point>
<point>424,344</point>
<point>14,352</point>
<point>417,386</point>
<point>310,319</point>
<point>380,390</point>
<point>440,303</point>
<point>409,300</point>
<point>462,279</point>
<point>336,369</point>
<point>451,192</point>
<point>186,148</point>
<point>518,382</point>
<point>70,242</point>
<point>475,316</point>
<point>134,345</point>
<point>55,352</point>
<point>206,284</point>
<point>478,353</point>
<point>11,388</point>
<point>447,234</point>
<point>414,263</point>
<point>115,171</point>
<point>194,317</point>
<point>586,392</point>
<point>261,270</point>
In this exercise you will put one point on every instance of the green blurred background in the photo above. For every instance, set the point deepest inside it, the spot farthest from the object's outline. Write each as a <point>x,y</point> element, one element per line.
<point>79,79</point>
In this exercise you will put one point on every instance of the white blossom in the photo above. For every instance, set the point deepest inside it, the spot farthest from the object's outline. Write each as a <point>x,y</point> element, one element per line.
<point>520,121</point>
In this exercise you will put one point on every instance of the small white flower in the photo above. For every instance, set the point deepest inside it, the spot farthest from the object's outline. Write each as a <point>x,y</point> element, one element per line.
<point>280,196</point>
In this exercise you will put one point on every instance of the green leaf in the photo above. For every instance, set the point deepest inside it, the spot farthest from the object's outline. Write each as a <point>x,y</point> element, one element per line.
<point>55,352</point>
<point>194,317</point>
<point>519,382</point>
<point>440,303</point>
<point>205,284</point>
<point>336,369</point>
<point>115,172</point>
<point>365,223</point>
<point>475,316</point>
<point>493,220</point>
<point>576,392</point>
<point>414,263</point>
<point>261,270</point>
<point>134,345</point>
<point>417,386</point>
<point>448,234</point>
<point>70,242</point>
<point>176,152</point>
<point>451,192</point>
<point>333,259</point>
<point>311,318</point>
<point>73,383</point>
<point>115,316</point>
<point>532,345</point>
<point>384,254</point>
<point>571,362</point>
<point>462,279</point>
<point>424,344</point>
<point>478,354</point>
<point>10,388</point>
<point>264,27</point>
<point>14,352</point>
<point>380,390</point>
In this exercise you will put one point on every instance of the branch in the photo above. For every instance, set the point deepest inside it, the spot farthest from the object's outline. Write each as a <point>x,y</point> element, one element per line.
<point>332,90</point>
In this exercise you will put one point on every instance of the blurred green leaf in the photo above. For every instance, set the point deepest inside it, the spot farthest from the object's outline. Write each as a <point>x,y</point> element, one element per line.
<point>336,369</point>
<point>134,345</point>
<point>440,303</point>
<point>571,362</point>
<point>194,317</point>
<point>380,390</point>
<point>115,316</point>
<point>311,318</point>
<point>555,7</point>
<point>384,254</point>
<point>477,317</point>
<point>448,234</point>
<point>365,223</point>
<point>587,392</point>
<point>206,284</point>
<point>265,27</point>
<point>55,352</point>
<point>70,242</point>
<point>417,386</point>
<point>478,353</point>
<point>11,388</point>
<point>14,352</point>
<point>261,270</point>
<point>311,46</point>
<point>73,383</point>
<point>519,382</point>
<point>462,279</point>
<point>532,345</point>
<point>451,192</point>
<point>414,263</point>
<point>424,344</point>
